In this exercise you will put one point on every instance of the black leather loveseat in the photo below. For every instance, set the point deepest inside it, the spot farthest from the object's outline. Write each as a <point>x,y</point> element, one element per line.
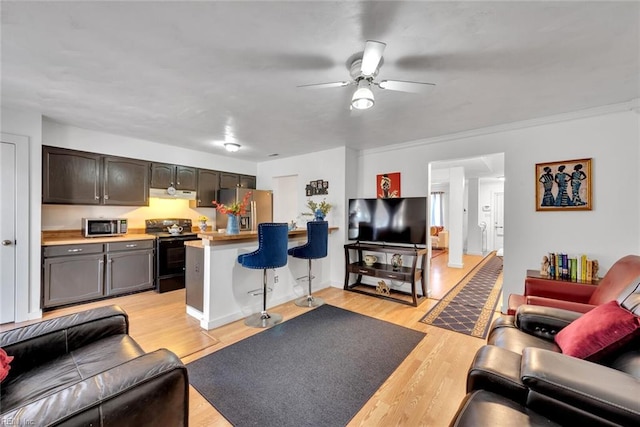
<point>522,378</point>
<point>85,370</point>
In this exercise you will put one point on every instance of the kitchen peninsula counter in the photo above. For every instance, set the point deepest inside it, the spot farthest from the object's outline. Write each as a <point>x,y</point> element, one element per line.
<point>229,290</point>
<point>218,238</point>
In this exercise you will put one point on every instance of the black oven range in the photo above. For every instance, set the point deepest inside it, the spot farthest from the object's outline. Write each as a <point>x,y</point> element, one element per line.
<point>170,251</point>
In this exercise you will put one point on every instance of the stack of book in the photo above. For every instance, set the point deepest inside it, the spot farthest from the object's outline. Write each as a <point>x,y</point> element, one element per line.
<point>573,268</point>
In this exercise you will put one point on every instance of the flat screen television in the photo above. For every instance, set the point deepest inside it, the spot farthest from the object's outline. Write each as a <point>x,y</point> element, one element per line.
<point>396,220</point>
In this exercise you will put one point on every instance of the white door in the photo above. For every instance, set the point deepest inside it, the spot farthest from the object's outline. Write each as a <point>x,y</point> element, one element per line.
<point>7,232</point>
<point>498,221</point>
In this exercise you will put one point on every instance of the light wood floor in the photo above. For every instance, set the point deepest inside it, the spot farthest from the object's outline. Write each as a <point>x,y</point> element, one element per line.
<point>425,390</point>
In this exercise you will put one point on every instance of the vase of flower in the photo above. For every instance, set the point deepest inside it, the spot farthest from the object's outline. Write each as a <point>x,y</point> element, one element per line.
<point>232,224</point>
<point>319,211</point>
<point>233,211</point>
<point>202,223</point>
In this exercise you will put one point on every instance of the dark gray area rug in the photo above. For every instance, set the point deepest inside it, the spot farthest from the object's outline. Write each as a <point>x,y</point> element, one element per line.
<point>317,369</point>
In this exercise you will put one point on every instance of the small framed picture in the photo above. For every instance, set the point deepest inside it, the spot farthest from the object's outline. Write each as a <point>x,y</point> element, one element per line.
<point>319,183</point>
<point>313,184</point>
<point>308,190</point>
<point>564,185</point>
<point>325,184</point>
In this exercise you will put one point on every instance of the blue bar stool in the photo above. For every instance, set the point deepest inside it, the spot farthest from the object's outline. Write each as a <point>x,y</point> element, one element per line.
<point>271,253</point>
<point>316,247</point>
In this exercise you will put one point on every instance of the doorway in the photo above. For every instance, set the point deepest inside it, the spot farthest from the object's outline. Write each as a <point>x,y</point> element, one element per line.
<point>489,171</point>
<point>14,228</point>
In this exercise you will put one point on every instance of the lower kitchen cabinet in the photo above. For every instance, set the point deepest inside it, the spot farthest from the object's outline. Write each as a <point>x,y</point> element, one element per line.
<point>84,272</point>
<point>72,279</point>
<point>129,267</point>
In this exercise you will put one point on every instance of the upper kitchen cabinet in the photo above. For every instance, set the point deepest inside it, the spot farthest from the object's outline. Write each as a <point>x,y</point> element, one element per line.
<point>179,177</point>
<point>207,190</point>
<point>80,178</point>
<point>233,180</point>
<point>126,182</point>
<point>70,177</point>
<point>247,181</point>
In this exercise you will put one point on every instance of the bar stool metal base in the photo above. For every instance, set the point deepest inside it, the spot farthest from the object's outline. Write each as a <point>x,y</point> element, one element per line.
<point>309,301</point>
<point>263,320</point>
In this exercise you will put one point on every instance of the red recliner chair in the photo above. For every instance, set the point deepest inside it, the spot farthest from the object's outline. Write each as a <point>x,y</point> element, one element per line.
<point>577,296</point>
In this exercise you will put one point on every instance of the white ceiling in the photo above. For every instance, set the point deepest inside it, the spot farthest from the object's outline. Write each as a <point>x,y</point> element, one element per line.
<point>190,73</point>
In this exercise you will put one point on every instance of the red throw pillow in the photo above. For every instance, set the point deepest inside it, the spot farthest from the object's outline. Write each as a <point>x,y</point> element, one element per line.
<point>5,359</point>
<point>598,332</point>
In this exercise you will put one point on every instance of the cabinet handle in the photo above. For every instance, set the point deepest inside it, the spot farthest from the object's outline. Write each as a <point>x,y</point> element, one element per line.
<point>363,271</point>
<point>74,250</point>
<point>106,197</point>
<point>132,245</point>
<point>178,182</point>
<point>391,276</point>
<point>97,197</point>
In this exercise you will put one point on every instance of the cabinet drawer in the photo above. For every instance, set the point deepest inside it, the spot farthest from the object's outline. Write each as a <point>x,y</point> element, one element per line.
<point>395,275</point>
<point>80,249</point>
<point>359,269</point>
<point>130,245</point>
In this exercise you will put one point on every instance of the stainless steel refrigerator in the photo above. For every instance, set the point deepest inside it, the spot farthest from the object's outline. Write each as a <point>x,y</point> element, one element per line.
<point>260,208</point>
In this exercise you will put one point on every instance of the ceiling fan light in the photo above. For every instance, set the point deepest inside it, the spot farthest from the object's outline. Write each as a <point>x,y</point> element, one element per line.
<point>231,147</point>
<point>362,97</point>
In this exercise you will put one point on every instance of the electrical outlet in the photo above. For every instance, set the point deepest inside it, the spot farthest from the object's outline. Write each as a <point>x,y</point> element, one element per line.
<point>275,279</point>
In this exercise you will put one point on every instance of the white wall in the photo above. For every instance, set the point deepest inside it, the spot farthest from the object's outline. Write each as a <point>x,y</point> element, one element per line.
<point>29,124</point>
<point>285,199</point>
<point>611,139</point>
<point>329,165</point>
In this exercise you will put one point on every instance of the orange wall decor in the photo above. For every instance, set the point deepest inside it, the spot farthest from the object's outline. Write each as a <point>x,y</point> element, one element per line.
<point>388,185</point>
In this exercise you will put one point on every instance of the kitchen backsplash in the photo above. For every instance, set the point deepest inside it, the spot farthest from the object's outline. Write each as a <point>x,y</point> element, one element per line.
<point>68,217</point>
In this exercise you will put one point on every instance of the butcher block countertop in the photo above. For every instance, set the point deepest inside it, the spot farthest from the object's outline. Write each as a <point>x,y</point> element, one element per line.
<point>216,238</point>
<point>75,237</point>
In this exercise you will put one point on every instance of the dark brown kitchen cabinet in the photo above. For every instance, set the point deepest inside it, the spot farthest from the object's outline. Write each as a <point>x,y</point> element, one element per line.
<point>84,272</point>
<point>80,178</point>
<point>164,175</point>
<point>229,180</point>
<point>126,182</point>
<point>233,180</point>
<point>70,177</point>
<point>207,189</point>
<point>247,181</point>
<point>129,267</point>
<point>72,274</point>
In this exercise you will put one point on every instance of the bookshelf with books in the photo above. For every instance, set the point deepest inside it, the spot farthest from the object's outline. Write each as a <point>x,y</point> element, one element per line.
<point>568,268</point>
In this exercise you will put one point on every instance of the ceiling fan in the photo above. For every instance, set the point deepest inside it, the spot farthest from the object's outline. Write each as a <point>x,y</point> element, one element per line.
<point>363,69</point>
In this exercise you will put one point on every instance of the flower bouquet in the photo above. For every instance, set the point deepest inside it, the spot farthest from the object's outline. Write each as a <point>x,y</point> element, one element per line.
<point>202,220</point>
<point>233,211</point>
<point>318,210</point>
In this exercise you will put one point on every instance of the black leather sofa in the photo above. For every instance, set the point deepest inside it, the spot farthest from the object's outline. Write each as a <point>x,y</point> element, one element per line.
<point>521,378</point>
<point>85,370</point>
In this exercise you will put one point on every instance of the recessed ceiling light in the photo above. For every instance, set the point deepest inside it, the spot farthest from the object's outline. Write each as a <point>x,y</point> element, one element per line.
<point>274,155</point>
<point>231,147</point>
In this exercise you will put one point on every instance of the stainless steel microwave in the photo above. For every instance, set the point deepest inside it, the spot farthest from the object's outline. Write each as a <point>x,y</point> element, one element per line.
<point>101,227</point>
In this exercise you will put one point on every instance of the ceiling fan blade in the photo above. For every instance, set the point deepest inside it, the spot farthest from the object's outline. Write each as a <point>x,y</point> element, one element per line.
<point>405,86</point>
<point>371,57</point>
<point>326,85</point>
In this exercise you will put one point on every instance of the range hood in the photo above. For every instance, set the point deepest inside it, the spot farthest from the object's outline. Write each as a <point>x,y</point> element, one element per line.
<point>172,193</point>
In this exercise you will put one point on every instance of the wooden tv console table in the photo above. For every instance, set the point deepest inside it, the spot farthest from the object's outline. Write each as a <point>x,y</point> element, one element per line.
<point>408,274</point>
